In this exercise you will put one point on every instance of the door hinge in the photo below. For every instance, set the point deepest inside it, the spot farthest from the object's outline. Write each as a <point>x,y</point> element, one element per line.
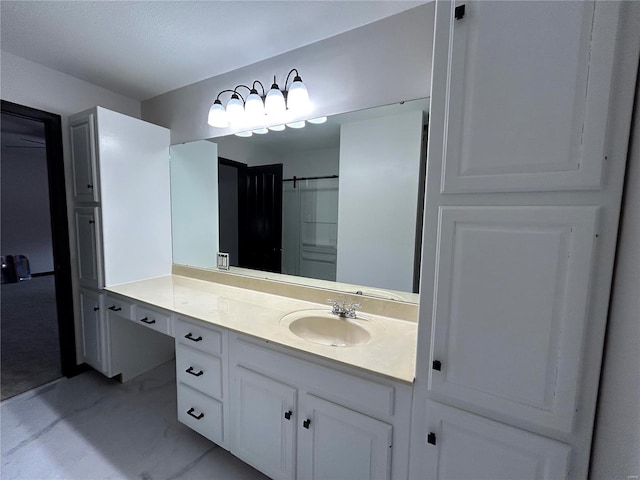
<point>437,365</point>
<point>431,438</point>
<point>459,12</point>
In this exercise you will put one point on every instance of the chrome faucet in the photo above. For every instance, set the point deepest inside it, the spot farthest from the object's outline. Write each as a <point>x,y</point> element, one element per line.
<point>344,310</point>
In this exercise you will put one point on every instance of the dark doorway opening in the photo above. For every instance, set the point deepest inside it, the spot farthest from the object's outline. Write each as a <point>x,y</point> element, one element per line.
<point>51,281</point>
<point>251,230</point>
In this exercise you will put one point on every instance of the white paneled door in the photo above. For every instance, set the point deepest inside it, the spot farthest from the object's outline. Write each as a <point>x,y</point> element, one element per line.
<point>527,96</point>
<point>510,309</point>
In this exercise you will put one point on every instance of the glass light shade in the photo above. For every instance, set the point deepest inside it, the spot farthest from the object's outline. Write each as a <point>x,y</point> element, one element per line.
<point>243,134</point>
<point>274,102</point>
<point>235,109</point>
<point>317,121</point>
<point>277,128</point>
<point>254,108</point>
<point>218,115</point>
<point>299,124</point>
<point>260,131</point>
<point>298,96</point>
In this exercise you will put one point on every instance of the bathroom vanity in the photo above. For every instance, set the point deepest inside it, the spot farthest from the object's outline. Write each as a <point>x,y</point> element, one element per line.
<point>291,407</point>
<point>497,374</point>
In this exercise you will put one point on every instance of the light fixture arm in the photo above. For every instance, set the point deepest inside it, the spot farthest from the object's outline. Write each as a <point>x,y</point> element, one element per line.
<point>289,75</point>
<point>261,85</point>
<point>223,91</point>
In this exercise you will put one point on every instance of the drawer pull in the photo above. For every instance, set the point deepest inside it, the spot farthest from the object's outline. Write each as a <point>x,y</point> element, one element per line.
<point>195,374</point>
<point>89,186</point>
<point>190,337</point>
<point>197,417</point>
<point>147,321</point>
<point>306,423</point>
<point>113,308</point>
<point>287,415</point>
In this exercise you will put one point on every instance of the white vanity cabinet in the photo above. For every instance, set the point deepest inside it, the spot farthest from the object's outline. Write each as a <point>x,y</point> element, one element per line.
<point>297,417</point>
<point>202,378</point>
<point>86,187</point>
<point>521,209</point>
<point>94,333</point>
<point>121,171</point>
<point>338,442</point>
<point>265,417</point>
<point>490,450</point>
<point>89,254</point>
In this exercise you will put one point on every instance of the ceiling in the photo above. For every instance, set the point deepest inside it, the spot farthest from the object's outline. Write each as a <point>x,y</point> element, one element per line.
<point>141,49</point>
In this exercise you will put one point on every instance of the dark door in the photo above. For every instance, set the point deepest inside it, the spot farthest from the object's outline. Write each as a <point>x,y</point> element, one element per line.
<point>261,212</point>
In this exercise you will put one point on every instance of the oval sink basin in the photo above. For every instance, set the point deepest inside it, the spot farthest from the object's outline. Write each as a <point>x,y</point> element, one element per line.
<point>325,328</point>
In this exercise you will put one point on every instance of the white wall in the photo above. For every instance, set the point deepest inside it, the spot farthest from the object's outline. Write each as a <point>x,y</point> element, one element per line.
<point>378,194</point>
<point>33,85</point>
<point>318,162</point>
<point>194,183</point>
<point>385,62</point>
<point>616,448</point>
<point>26,220</point>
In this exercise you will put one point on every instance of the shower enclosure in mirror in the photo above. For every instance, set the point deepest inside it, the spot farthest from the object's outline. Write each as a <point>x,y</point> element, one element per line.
<point>337,205</point>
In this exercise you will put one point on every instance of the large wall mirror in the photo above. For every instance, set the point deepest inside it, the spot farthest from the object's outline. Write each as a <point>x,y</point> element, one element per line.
<point>337,204</point>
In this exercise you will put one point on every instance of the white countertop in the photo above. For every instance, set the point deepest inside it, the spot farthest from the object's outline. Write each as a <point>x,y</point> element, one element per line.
<point>390,352</point>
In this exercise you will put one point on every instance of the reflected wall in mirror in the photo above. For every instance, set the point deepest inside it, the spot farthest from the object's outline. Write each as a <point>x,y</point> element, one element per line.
<point>340,201</point>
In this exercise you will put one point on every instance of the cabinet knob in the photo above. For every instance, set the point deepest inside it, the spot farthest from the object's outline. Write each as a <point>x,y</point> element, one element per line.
<point>287,415</point>
<point>306,423</point>
<point>197,417</point>
<point>437,365</point>
<point>190,337</point>
<point>194,373</point>
<point>89,186</point>
<point>431,438</point>
<point>95,309</point>
<point>147,321</point>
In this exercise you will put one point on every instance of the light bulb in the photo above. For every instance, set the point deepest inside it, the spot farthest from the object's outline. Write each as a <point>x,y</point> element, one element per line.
<point>298,96</point>
<point>235,109</point>
<point>218,115</point>
<point>317,121</point>
<point>299,124</point>
<point>254,107</point>
<point>260,131</point>
<point>274,102</point>
<point>243,134</point>
<point>277,128</point>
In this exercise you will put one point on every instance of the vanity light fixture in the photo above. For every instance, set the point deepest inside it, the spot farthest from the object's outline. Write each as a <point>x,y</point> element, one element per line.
<point>252,110</point>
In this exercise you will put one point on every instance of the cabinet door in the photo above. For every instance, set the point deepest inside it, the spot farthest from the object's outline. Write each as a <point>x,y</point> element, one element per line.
<point>264,419</point>
<point>92,329</point>
<point>459,446</point>
<point>338,443</point>
<point>510,301</point>
<point>527,95</point>
<point>88,247</point>
<point>83,159</point>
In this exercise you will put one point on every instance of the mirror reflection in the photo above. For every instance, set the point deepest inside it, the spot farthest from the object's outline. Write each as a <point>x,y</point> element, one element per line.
<point>340,202</point>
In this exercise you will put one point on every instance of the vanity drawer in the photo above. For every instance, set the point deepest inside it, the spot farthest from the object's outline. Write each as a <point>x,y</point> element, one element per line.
<point>205,339</point>
<point>199,370</point>
<point>200,413</point>
<point>158,321</point>
<point>119,307</point>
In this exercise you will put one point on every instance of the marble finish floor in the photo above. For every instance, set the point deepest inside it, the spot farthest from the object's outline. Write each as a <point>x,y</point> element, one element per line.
<point>90,427</point>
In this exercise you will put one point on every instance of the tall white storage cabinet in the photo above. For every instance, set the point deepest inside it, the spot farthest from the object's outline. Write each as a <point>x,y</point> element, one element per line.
<point>122,212</point>
<point>530,114</point>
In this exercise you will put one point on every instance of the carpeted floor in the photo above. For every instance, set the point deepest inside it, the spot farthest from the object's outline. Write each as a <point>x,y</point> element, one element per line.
<point>30,349</point>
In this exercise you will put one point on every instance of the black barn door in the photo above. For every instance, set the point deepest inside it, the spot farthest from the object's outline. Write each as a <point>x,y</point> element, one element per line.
<point>261,228</point>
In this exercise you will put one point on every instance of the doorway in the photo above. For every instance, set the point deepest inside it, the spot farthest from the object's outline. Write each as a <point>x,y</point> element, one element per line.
<point>37,321</point>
